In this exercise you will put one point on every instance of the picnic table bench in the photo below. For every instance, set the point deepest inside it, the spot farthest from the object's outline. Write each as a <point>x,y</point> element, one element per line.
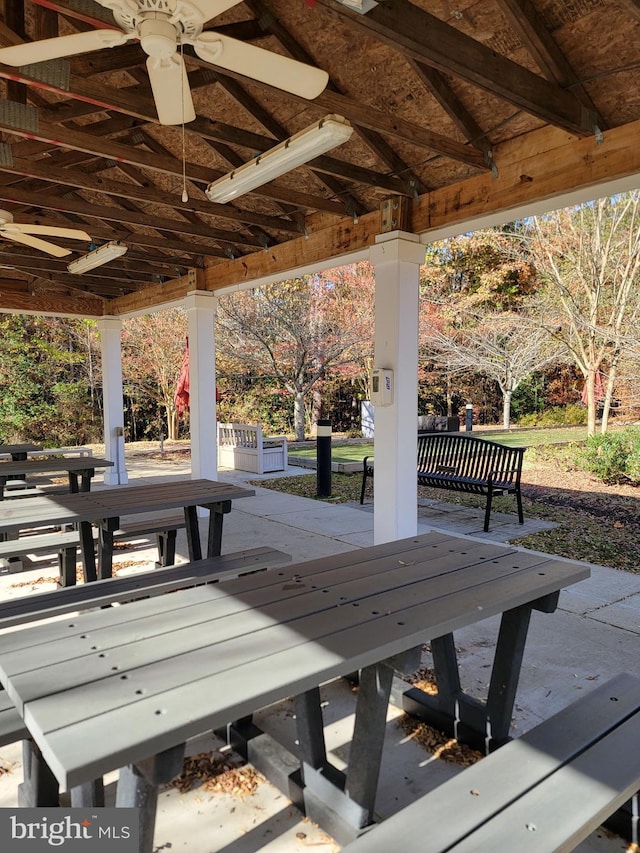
<point>542,792</point>
<point>463,463</point>
<point>243,447</point>
<point>66,543</point>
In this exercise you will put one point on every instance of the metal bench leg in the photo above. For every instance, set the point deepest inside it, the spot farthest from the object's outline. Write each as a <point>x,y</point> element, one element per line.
<point>40,786</point>
<point>364,485</point>
<point>487,511</point>
<point>138,788</point>
<point>519,504</point>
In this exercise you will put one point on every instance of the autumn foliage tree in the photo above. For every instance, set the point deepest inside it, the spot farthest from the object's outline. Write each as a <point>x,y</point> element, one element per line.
<point>297,330</point>
<point>152,350</point>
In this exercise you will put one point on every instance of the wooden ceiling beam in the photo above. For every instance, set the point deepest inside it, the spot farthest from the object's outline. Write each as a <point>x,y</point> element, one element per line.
<point>146,193</point>
<point>425,38</point>
<point>52,304</point>
<point>441,90</point>
<point>80,141</point>
<point>188,211</point>
<point>114,214</point>
<point>380,147</point>
<point>144,108</point>
<point>541,45</point>
<point>103,276</point>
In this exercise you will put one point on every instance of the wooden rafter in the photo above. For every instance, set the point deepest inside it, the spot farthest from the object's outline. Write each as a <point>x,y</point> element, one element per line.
<point>427,39</point>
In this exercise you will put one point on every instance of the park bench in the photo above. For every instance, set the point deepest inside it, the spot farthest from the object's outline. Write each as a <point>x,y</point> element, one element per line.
<point>65,544</point>
<point>243,447</point>
<point>463,463</point>
<point>545,791</point>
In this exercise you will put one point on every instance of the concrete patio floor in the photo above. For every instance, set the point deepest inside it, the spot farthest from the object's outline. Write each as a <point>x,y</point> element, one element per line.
<point>592,636</point>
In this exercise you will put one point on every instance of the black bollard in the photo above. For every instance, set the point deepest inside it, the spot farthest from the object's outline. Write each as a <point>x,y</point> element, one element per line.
<point>469,417</point>
<point>323,459</point>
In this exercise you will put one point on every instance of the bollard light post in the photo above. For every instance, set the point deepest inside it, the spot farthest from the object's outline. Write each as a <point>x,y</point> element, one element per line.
<point>469,417</point>
<point>323,459</point>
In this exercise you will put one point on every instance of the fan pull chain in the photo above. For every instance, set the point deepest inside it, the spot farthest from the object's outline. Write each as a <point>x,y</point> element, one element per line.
<point>185,194</point>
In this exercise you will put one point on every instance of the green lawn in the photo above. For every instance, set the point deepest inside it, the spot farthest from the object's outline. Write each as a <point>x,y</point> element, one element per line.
<point>345,452</point>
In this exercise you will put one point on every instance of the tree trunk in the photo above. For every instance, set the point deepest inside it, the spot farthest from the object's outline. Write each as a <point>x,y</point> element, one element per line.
<point>608,397</point>
<point>506,409</point>
<point>591,402</point>
<point>172,423</point>
<point>298,415</point>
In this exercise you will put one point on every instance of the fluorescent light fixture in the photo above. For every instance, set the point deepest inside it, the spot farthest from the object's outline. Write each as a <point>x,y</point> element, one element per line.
<point>101,255</point>
<point>325,134</point>
<point>361,6</point>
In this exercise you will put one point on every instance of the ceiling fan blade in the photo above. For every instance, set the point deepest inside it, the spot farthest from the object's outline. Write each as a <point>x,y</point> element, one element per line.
<point>211,8</point>
<point>171,89</point>
<point>35,243</point>
<point>56,48</point>
<point>47,231</point>
<point>280,71</point>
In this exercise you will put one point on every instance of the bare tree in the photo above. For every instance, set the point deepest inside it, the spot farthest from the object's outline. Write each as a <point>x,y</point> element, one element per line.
<point>505,347</point>
<point>589,258</point>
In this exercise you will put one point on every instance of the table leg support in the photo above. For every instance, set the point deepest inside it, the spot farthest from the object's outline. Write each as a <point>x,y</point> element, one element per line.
<point>87,551</point>
<point>217,512</point>
<point>365,753</point>
<point>138,788</point>
<point>193,533</point>
<point>40,786</point>
<point>105,546</point>
<point>482,725</point>
<point>89,795</point>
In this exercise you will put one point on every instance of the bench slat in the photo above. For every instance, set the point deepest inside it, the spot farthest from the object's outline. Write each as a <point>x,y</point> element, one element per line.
<point>566,808</point>
<point>458,807</point>
<point>144,584</point>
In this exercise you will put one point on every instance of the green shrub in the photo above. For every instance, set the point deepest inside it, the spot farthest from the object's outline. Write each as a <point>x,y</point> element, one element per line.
<point>613,457</point>
<point>571,415</point>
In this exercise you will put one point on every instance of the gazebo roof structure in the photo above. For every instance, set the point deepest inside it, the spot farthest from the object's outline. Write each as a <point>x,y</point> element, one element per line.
<point>465,112</point>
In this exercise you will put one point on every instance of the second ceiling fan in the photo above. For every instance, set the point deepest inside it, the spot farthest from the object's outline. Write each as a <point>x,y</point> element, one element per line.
<point>162,27</point>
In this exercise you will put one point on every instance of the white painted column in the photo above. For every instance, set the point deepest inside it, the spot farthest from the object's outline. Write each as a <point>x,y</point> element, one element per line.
<point>110,329</point>
<point>201,310</point>
<point>397,257</point>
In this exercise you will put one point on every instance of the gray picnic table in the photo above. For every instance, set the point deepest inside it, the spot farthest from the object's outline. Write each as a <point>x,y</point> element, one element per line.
<point>80,470</point>
<point>126,687</point>
<point>19,451</point>
<point>104,508</point>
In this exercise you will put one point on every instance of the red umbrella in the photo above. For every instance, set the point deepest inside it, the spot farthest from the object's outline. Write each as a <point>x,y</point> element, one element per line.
<point>181,398</point>
<point>598,387</point>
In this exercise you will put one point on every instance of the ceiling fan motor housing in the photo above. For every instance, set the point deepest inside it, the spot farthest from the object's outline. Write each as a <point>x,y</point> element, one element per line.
<point>158,37</point>
<point>185,19</point>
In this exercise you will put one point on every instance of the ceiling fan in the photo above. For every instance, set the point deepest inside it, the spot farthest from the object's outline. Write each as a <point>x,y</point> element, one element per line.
<point>162,27</point>
<point>11,230</point>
